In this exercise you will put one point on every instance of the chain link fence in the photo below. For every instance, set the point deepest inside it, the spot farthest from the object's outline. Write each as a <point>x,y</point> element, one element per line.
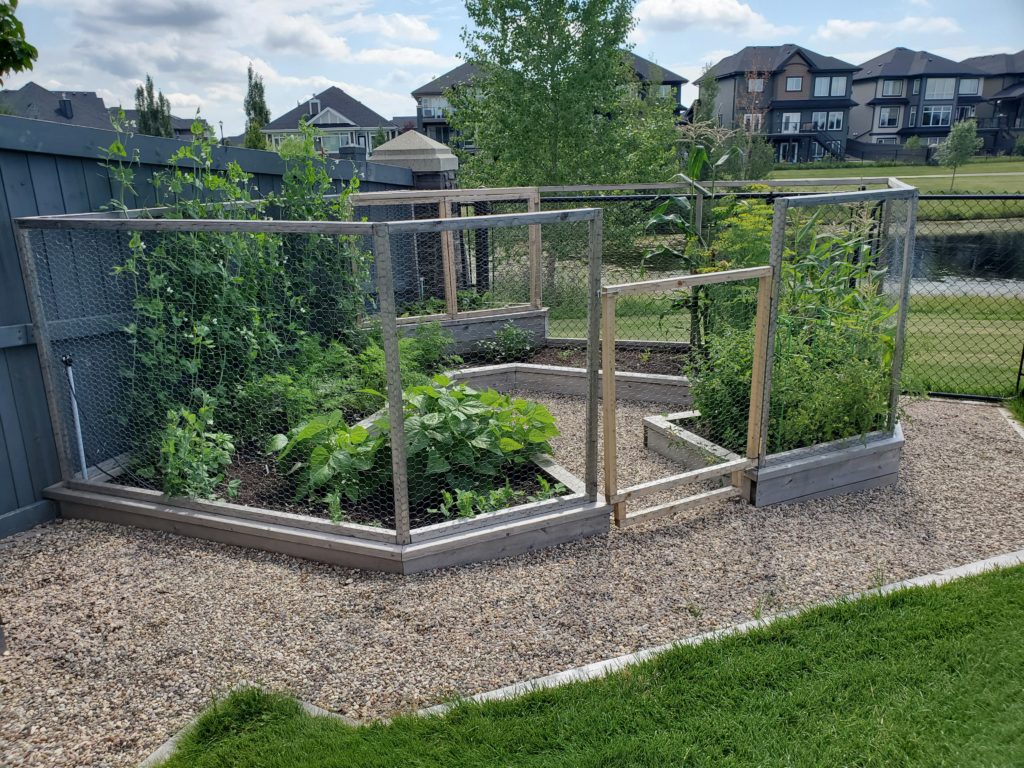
<point>965,331</point>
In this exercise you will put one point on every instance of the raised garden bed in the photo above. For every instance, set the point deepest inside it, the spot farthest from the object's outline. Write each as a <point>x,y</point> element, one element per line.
<point>828,469</point>
<point>470,328</point>
<point>637,357</point>
<point>516,529</point>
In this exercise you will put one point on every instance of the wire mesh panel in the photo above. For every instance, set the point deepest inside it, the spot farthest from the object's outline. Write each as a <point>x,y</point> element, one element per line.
<point>264,364</point>
<point>965,331</point>
<point>840,310</point>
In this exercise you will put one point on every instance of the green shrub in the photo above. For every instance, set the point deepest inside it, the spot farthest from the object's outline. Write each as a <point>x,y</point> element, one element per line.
<point>192,457</point>
<point>472,503</point>
<point>1018,145</point>
<point>510,343</point>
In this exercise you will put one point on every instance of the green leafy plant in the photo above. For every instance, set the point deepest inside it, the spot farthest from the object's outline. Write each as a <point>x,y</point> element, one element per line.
<point>472,503</point>
<point>833,353</point>
<point>456,437</point>
<point>192,456</point>
<point>510,343</point>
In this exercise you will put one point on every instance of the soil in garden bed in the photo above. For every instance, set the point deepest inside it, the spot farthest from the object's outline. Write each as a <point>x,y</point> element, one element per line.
<point>633,359</point>
<point>266,485</point>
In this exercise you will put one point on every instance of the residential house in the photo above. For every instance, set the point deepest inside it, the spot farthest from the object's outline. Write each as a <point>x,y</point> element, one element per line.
<point>433,109</point>
<point>1001,114</point>
<point>799,100</point>
<point>343,122</point>
<point>68,107</point>
<point>904,93</point>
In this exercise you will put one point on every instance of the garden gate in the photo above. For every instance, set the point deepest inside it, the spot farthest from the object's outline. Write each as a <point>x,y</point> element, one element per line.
<point>663,433</point>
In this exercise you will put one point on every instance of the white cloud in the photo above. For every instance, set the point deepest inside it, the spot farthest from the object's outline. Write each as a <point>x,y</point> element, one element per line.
<point>724,15</point>
<point>846,29</point>
<point>305,35</point>
<point>406,57</point>
<point>921,3</point>
<point>392,25</point>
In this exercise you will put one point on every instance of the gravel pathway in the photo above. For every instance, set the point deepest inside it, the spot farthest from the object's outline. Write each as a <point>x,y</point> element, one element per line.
<point>117,636</point>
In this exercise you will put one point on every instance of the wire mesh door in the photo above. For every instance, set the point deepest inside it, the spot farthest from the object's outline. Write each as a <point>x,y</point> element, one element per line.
<point>727,302</point>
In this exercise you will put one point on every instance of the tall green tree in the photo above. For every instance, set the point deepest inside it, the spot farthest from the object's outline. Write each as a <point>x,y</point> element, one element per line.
<point>154,111</point>
<point>16,55</point>
<point>554,95</point>
<point>257,114</point>
<point>959,147</point>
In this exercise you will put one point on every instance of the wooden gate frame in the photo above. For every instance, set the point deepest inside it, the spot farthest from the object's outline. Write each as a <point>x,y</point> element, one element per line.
<point>739,485</point>
<point>443,199</point>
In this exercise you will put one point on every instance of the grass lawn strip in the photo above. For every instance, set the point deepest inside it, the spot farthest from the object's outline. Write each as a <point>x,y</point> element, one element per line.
<point>923,676</point>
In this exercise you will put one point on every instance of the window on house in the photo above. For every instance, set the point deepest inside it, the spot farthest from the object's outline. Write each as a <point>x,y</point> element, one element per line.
<point>965,112</point>
<point>939,87</point>
<point>917,87</point>
<point>933,141</point>
<point>819,120</point>
<point>838,86</point>
<point>892,87</point>
<point>755,84</point>
<point>936,117</point>
<point>794,83</point>
<point>331,142</point>
<point>790,122</point>
<point>912,120</point>
<point>969,86</point>
<point>821,86</point>
<point>753,121</point>
<point>835,120</point>
<point>887,140</point>
<point>664,91</point>
<point>888,117</point>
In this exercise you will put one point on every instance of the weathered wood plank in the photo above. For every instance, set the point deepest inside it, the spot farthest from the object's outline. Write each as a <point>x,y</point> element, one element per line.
<point>686,281</point>
<point>662,510</point>
<point>683,478</point>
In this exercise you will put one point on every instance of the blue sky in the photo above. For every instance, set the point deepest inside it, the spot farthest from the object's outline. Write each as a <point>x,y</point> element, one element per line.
<point>198,50</point>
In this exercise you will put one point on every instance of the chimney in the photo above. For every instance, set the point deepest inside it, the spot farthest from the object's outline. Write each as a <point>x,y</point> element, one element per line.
<point>65,107</point>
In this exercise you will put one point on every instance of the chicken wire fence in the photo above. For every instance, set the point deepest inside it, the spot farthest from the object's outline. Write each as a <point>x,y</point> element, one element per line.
<point>842,272</point>
<point>264,363</point>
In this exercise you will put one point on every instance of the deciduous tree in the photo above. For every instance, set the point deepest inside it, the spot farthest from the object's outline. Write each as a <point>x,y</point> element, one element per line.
<point>555,101</point>
<point>959,147</point>
<point>16,55</point>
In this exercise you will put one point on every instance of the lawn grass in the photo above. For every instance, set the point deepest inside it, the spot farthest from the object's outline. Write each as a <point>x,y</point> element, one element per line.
<point>963,344</point>
<point>929,676</point>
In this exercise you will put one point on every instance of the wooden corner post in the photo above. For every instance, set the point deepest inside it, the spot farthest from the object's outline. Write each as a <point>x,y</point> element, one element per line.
<point>451,286</point>
<point>396,410</point>
<point>533,206</point>
<point>611,481</point>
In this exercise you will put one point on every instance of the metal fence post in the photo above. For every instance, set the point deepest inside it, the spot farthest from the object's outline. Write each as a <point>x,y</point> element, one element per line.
<point>596,233</point>
<point>396,410</point>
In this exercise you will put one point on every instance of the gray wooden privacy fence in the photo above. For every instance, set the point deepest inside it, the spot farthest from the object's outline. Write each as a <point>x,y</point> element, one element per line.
<point>46,169</point>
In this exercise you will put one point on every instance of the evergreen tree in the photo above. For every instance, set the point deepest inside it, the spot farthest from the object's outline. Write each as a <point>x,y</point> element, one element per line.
<point>257,114</point>
<point>154,111</point>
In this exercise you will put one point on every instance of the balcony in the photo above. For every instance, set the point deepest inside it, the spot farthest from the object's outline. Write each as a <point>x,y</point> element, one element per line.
<point>797,129</point>
<point>1000,123</point>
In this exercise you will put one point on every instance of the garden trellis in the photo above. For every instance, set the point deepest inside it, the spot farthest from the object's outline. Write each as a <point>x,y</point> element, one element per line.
<point>289,385</point>
<point>193,343</point>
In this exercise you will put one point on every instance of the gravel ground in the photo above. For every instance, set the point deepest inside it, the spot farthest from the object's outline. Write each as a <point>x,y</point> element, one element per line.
<point>117,637</point>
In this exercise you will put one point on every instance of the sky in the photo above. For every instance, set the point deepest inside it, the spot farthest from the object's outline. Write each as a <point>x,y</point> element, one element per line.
<point>198,50</point>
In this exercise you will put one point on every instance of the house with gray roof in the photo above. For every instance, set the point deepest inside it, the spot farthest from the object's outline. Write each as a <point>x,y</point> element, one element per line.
<point>343,121</point>
<point>1001,114</point>
<point>68,107</point>
<point>797,99</point>
<point>433,109</point>
<point>904,93</point>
